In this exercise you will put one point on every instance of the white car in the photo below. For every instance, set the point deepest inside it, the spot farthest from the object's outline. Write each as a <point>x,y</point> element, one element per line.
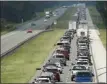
<point>45,20</point>
<point>75,69</point>
<point>85,63</point>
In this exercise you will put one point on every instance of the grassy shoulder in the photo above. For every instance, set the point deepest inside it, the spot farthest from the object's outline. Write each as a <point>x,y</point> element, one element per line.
<point>103,36</point>
<point>21,66</point>
<point>97,20</point>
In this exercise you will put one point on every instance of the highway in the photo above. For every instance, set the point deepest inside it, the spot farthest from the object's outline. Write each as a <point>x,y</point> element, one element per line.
<point>66,75</point>
<point>12,39</point>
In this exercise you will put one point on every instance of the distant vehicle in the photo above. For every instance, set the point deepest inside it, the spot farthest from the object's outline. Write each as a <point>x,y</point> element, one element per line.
<point>33,24</point>
<point>29,31</point>
<point>84,76</point>
<point>45,20</point>
<point>48,14</point>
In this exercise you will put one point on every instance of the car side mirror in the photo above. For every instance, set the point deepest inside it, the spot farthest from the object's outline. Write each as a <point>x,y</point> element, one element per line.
<point>38,68</point>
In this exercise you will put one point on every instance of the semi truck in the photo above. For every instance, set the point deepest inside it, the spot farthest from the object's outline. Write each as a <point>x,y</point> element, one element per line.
<point>48,14</point>
<point>82,31</point>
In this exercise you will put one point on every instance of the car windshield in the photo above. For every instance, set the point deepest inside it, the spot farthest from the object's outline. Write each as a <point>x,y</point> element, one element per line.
<point>50,64</point>
<point>45,77</point>
<point>83,74</point>
<point>82,63</point>
<point>43,80</point>
<point>79,68</point>
<point>65,37</point>
<point>59,56</point>
<point>51,70</point>
<point>83,57</point>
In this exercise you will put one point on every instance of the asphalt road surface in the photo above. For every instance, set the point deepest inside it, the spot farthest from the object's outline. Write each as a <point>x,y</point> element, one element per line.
<point>12,39</point>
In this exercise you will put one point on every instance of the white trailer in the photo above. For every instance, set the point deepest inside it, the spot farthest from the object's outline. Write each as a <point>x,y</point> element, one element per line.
<point>47,14</point>
<point>82,31</point>
<point>72,25</point>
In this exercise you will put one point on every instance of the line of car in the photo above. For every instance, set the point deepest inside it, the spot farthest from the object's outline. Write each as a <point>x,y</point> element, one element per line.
<point>54,67</point>
<point>82,70</point>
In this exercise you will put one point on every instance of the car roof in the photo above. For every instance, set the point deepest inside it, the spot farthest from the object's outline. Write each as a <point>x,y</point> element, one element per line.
<point>60,48</point>
<point>79,65</point>
<point>51,67</point>
<point>42,78</point>
<point>81,61</point>
<point>58,54</point>
<point>82,56</point>
<point>85,71</point>
<point>63,41</point>
<point>46,73</point>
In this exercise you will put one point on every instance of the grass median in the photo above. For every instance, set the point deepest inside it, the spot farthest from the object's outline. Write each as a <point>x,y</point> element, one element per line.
<point>21,66</point>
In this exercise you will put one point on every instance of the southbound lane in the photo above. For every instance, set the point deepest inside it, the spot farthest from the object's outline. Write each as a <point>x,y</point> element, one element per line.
<point>12,39</point>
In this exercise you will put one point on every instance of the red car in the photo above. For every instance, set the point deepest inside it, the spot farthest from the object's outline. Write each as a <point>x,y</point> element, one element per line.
<point>63,51</point>
<point>29,31</point>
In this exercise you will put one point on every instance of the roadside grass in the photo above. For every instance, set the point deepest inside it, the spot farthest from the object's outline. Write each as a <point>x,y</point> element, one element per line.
<point>98,21</point>
<point>21,65</point>
<point>103,36</point>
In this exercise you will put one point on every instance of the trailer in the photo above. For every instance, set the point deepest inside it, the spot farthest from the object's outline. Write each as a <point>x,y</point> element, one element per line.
<point>82,30</point>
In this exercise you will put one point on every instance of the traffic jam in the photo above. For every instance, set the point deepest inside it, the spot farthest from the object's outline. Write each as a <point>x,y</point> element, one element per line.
<point>81,70</point>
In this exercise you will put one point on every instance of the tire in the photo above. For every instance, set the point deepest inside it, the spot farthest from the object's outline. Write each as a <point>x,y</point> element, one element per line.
<point>68,58</point>
<point>58,80</point>
<point>65,64</point>
<point>72,78</point>
<point>60,72</point>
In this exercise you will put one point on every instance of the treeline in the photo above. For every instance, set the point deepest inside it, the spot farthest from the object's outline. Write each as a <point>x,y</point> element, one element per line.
<point>102,8</point>
<point>14,11</point>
